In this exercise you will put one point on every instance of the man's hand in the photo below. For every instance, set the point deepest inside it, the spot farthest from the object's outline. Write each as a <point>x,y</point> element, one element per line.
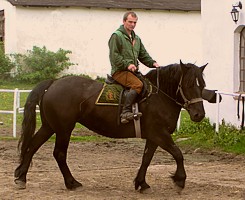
<point>155,64</point>
<point>132,68</point>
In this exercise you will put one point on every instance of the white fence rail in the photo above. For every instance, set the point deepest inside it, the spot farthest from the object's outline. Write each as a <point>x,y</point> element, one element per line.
<point>16,106</point>
<point>218,105</point>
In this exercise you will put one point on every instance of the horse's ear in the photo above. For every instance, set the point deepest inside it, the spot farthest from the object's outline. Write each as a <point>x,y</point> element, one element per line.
<point>203,67</point>
<point>183,67</point>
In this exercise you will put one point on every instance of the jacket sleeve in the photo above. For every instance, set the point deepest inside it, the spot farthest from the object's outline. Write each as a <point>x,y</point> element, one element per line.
<point>144,56</point>
<point>116,58</point>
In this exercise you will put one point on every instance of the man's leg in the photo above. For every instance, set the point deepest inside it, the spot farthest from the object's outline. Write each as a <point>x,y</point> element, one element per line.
<point>127,113</point>
<point>129,80</point>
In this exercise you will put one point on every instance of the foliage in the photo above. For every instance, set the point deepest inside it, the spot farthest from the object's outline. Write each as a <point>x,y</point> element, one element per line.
<point>6,65</point>
<point>85,138</point>
<point>203,135</point>
<point>100,79</point>
<point>41,64</point>
<point>2,46</point>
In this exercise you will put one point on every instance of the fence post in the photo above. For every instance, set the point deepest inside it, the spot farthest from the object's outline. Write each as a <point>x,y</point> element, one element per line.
<point>217,111</point>
<point>15,112</point>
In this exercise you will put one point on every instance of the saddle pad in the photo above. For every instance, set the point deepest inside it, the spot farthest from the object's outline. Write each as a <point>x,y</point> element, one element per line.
<point>109,95</point>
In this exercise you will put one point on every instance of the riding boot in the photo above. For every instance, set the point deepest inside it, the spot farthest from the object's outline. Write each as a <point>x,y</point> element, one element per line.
<point>127,113</point>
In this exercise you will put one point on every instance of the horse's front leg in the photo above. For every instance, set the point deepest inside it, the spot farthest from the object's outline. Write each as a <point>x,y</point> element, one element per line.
<point>149,151</point>
<point>180,175</point>
<point>168,145</point>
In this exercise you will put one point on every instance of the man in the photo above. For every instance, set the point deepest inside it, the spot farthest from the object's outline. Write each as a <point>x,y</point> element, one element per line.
<point>126,49</point>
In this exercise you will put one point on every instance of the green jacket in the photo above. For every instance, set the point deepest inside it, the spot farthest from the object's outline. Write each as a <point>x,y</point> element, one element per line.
<point>124,52</point>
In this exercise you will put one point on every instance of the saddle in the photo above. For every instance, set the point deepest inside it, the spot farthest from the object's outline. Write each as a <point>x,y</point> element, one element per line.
<point>113,93</point>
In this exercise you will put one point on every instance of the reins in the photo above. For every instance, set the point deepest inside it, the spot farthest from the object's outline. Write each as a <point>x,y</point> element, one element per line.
<point>157,79</point>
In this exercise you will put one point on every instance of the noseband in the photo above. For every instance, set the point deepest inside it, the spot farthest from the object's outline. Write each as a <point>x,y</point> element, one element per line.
<point>187,102</point>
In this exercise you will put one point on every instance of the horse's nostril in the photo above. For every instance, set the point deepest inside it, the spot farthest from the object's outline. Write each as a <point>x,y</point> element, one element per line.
<point>201,116</point>
<point>197,117</point>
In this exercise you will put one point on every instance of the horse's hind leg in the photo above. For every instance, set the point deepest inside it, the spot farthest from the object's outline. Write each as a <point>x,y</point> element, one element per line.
<point>60,154</point>
<point>42,135</point>
<point>149,151</point>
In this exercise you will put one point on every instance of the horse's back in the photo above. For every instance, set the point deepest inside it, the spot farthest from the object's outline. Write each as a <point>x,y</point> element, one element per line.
<point>73,87</point>
<point>64,96</point>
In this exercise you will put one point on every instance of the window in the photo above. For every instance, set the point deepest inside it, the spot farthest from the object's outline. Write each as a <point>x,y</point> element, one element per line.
<point>242,60</point>
<point>2,25</point>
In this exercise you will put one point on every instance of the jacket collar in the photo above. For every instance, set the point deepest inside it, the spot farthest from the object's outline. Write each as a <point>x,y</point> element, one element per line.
<point>122,29</point>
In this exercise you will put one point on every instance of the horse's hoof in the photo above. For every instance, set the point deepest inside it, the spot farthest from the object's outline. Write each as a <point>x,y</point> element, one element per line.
<point>178,189</point>
<point>21,185</point>
<point>75,186</point>
<point>180,184</point>
<point>77,189</point>
<point>146,191</point>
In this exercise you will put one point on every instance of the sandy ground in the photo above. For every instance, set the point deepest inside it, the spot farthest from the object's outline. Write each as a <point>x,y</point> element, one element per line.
<point>107,171</point>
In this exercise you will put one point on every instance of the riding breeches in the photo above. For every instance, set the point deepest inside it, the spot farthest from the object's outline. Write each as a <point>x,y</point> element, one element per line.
<point>128,79</point>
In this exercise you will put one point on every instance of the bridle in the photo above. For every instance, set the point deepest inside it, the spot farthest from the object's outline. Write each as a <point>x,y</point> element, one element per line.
<point>187,102</point>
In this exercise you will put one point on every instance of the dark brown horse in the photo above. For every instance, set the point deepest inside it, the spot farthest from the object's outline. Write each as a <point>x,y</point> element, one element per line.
<point>68,100</point>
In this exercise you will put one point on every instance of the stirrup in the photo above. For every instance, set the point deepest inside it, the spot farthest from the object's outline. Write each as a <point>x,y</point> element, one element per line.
<point>136,112</point>
<point>137,115</point>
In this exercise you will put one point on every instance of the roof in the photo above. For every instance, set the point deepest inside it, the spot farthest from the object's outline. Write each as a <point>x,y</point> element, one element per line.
<point>183,5</point>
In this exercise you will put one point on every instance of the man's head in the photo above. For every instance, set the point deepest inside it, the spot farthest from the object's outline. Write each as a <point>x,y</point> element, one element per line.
<point>129,21</point>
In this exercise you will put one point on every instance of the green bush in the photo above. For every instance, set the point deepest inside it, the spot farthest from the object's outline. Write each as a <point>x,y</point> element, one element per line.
<point>5,65</point>
<point>40,64</point>
<point>202,134</point>
<point>100,79</point>
<point>228,135</point>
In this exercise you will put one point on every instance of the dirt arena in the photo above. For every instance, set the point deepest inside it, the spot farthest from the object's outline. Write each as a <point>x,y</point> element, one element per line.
<point>107,171</point>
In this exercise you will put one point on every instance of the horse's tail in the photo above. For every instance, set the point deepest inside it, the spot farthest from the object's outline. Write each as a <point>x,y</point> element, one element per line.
<point>29,120</point>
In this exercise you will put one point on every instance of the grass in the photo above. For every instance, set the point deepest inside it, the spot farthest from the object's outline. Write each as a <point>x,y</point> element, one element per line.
<point>203,135</point>
<point>85,138</point>
<point>7,101</point>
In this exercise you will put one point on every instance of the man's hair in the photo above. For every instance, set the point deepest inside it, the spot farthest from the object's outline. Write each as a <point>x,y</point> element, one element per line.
<point>125,16</point>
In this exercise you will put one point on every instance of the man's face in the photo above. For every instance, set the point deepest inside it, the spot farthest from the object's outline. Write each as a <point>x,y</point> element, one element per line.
<point>130,23</point>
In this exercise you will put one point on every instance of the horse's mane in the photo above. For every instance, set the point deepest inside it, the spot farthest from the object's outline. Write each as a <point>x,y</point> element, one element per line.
<point>169,77</point>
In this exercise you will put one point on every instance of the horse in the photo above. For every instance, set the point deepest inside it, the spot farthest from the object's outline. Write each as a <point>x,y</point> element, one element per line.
<point>71,99</point>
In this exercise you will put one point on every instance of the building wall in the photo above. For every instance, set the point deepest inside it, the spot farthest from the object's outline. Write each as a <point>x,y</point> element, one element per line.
<point>168,35</point>
<point>208,37</point>
<point>221,50</point>
<point>10,26</point>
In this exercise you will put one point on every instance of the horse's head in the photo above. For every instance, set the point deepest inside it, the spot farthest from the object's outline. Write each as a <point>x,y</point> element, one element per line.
<point>183,83</point>
<point>189,91</point>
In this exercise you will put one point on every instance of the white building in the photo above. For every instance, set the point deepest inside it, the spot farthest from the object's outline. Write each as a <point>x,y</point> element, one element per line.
<point>191,30</point>
<point>170,30</point>
<point>223,49</point>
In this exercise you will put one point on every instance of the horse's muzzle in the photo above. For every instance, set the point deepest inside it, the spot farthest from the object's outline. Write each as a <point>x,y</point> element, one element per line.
<point>197,117</point>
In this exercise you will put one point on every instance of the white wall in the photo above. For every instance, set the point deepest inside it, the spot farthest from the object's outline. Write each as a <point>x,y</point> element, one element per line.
<point>221,51</point>
<point>210,37</point>
<point>168,36</point>
<point>10,26</point>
